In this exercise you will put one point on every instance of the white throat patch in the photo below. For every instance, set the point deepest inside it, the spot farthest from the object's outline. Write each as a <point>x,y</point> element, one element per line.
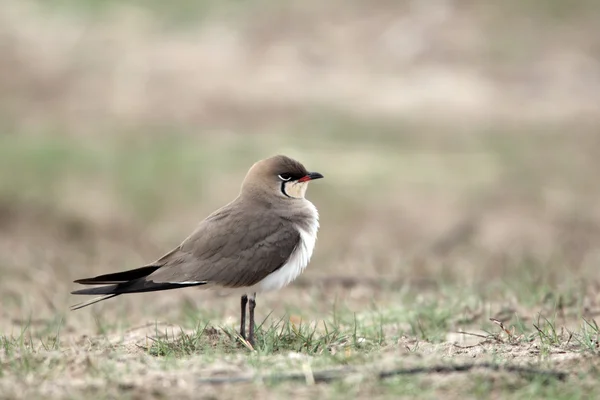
<point>295,189</point>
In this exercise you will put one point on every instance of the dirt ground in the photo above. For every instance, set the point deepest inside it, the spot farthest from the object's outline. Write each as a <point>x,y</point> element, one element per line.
<point>459,249</point>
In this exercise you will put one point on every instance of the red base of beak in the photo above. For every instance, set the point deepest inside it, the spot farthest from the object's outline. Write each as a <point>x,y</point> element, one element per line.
<point>311,176</point>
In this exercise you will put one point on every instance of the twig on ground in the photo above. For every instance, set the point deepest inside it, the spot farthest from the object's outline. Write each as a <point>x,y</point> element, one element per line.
<point>487,338</point>
<point>325,376</point>
<point>501,325</point>
<point>471,346</point>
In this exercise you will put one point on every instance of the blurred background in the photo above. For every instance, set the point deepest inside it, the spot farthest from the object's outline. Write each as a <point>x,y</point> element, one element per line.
<point>460,140</point>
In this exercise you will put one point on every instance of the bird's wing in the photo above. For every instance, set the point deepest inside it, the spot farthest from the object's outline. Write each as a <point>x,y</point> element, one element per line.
<point>231,248</point>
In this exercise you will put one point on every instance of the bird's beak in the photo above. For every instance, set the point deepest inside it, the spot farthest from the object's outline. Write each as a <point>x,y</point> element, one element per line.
<point>310,177</point>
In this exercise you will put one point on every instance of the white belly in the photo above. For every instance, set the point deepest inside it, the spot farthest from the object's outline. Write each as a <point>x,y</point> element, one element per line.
<point>297,262</point>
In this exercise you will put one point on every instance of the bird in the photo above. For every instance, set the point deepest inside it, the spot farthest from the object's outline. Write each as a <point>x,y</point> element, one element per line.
<point>259,242</point>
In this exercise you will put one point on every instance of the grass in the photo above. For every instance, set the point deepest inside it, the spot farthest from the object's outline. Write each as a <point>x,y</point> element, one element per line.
<point>342,341</point>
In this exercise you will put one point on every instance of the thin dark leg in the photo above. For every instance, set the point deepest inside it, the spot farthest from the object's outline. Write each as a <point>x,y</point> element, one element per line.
<point>251,307</point>
<point>243,318</point>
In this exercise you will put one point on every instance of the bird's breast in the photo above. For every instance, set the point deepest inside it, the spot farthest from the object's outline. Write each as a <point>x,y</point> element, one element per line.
<point>299,258</point>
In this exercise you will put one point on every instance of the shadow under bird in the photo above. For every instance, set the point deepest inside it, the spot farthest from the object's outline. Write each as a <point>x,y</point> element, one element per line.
<point>259,242</point>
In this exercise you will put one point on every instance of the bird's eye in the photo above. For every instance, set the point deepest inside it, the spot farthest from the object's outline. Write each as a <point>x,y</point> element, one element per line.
<point>285,177</point>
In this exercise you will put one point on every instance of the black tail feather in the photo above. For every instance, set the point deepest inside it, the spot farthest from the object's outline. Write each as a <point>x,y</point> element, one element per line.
<point>135,286</point>
<point>119,277</point>
<point>92,301</point>
<point>109,289</point>
<point>132,281</point>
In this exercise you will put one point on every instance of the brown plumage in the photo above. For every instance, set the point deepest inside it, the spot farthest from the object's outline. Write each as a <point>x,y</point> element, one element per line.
<point>260,241</point>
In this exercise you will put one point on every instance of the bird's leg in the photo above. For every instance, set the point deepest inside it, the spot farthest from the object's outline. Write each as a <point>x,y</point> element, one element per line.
<point>243,318</point>
<point>251,307</point>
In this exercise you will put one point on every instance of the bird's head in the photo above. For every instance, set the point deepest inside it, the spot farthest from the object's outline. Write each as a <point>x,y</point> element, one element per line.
<point>279,176</point>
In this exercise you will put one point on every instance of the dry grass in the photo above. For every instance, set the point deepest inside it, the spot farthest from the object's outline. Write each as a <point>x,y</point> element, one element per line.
<point>458,255</point>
